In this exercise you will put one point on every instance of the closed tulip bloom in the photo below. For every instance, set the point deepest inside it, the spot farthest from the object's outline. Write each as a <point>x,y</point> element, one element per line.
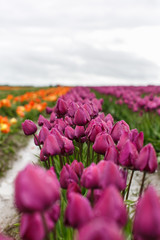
<point>32,227</point>
<point>54,212</point>
<point>102,142</point>
<point>58,136</point>
<point>67,176</point>
<point>29,127</point>
<point>69,132</point>
<point>43,121</point>
<point>72,108</point>
<point>81,117</point>
<point>111,154</point>
<point>78,218</point>
<point>51,146</point>
<point>95,129</point>
<point>68,146</point>
<point>147,216</point>
<point>147,160</point>
<point>139,140</point>
<point>128,154</point>
<point>109,118</point>
<point>44,132</point>
<point>52,117</point>
<point>68,120</point>
<point>79,131</point>
<point>111,175</point>
<point>61,107</point>
<point>35,189</point>
<point>119,128</point>
<point>77,167</point>
<point>73,187</point>
<point>42,156</point>
<point>91,177</point>
<point>115,209</point>
<point>49,110</point>
<point>99,229</point>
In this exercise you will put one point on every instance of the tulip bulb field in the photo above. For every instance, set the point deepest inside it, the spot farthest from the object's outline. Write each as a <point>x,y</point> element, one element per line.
<point>92,143</point>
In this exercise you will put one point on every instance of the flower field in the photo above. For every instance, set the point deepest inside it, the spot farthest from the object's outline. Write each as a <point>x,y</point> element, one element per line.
<point>91,144</point>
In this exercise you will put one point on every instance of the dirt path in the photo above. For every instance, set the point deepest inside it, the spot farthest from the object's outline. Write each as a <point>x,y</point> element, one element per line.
<point>8,213</point>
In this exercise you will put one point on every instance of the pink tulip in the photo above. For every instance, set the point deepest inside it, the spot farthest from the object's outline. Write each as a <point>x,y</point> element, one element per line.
<point>44,132</point>
<point>61,107</point>
<point>147,216</point>
<point>35,189</point>
<point>99,229</point>
<point>81,117</point>
<point>147,160</point>
<point>67,176</point>
<point>29,127</point>
<point>114,210</point>
<point>102,142</point>
<point>51,146</point>
<point>119,128</point>
<point>91,177</point>
<point>111,154</point>
<point>77,167</point>
<point>78,218</point>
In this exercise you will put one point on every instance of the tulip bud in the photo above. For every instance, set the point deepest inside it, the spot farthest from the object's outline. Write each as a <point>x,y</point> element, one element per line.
<point>147,160</point>
<point>61,107</point>
<point>67,176</point>
<point>100,229</point>
<point>35,189</point>
<point>111,154</point>
<point>119,128</point>
<point>52,117</point>
<point>147,216</point>
<point>114,209</point>
<point>79,131</point>
<point>44,132</point>
<point>78,218</point>
<point>77,167</point>
<point>51,146</point>
<point>128,154</point>
<point>81,117</point>
<point>69,132</point>
<point>73,187</point>
<point>102,142</point>
<point>29,127</point>
<point>91,177</point>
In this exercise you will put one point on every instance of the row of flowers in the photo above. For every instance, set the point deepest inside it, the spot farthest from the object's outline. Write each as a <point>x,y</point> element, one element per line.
<point>145,98</point>
<point>87,157</point>
<point>35,100</point>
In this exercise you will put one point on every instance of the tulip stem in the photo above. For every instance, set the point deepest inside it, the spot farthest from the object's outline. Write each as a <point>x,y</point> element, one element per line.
<point>37,141</point>
<point>98,157</point>
<point>142,184</point>
<point>61,162</point>
<point>129,185</point>
<point>45,226</point>
<point>88,153</point>
<point>54,233</point>
<point>92,155</point>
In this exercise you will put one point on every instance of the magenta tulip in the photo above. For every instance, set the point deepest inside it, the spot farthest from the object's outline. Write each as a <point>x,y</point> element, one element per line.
<point>67,176</point>
<point>78,218</point>
<point>29,127</point>
<point>99,229</point>
<point>147,160</point>
<point>111,154</point>
<point>147,216</point>
<point>114,210</point>
<point>77,167</point>
<point>119,128</point>
<point>35,189</point>
<point>102,142</point>
<point>51,146</point>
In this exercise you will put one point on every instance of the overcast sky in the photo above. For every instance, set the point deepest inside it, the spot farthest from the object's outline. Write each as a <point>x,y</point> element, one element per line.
<point>85,42</point>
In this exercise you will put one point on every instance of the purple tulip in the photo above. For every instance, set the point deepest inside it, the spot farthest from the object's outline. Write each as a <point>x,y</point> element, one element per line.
<point>58,136</point>
<point>68,120</point>
<point>61,107</point>
<point>77,167</point>
<point>114,210</point>
<point>69,132</point>
<point>52,117</point>
<point>147,160</point>
<point>109,118</point>
<point>111,175</point>
<point>44,132</point>
<point>29,127</point>
<point>119,128</point>
<point>91,177</point>
<point>35,189</point>
<point>72,108</point>
<point>32,227</point>
<point>78,218</point>
<point>99,229</point>
<point>128,154</point>
<point>54,212</point>
<point>147,216</point>
<point>73,187</point>
<point>49,110</point>
<point>111,154</point>
<point>68,146</point>
<point>67,176</point>
<point>81,117</point>
<point>79,131</point>
<point>102,142</point>
<point>43,121</point>
<point>51,146</point>
<point>96,195</point>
